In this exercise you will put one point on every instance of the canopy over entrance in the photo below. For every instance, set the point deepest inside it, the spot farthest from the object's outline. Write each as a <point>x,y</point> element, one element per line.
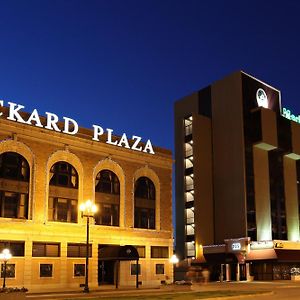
<point>119,253</point>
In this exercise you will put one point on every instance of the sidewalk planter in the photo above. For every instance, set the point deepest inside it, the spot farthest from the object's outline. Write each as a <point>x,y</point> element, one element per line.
<point>295,277</point>
<point>13,294</point>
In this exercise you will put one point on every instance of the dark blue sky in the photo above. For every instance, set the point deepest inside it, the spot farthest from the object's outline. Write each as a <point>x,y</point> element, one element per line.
<point>122,64</point>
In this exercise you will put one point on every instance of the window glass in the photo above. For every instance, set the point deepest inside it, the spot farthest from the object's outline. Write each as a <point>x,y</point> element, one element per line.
<point>10,271</point>
<point>134,268</point>
<point>46,270</point>
<point>45,249</point>
<point>141,251</point>
<point>79,270</point>
<point>16,248</point>
<point>159,252</point>
<point>159,269</point>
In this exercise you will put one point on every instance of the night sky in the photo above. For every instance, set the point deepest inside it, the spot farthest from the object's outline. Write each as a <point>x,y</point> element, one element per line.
<point>122,64</point>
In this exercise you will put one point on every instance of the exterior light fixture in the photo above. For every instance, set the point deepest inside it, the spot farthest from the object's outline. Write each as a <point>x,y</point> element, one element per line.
<point>5,255</point>
<point>174,260</point>
<point>88,209</point>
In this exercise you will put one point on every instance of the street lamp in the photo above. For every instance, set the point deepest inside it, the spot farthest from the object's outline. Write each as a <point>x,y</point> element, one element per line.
<point>5,255</point>
<point>88,210</point>
<point>174,260</point>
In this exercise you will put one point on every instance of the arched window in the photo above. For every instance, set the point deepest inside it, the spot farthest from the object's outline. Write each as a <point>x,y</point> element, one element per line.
<point>14,197</point>
<point>63,174</point>
<point>107,197</point>
<point>63,193</point>
<point>144,203</point>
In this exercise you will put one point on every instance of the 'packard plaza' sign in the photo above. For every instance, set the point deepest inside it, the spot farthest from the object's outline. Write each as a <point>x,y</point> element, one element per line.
<point>71,128</point>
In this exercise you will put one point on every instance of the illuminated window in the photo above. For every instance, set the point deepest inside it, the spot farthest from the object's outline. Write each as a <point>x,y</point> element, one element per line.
<point>159,252</point>
<point>16,248</point>
<point>63,193</point>
<point>190,249</point>
<point>45,249</point>
<point>188,124</point>
<point>144,204</point>
<point>107,193</point>
<point>78,250</point>
<point>141,251</point>
<point>63,174</point>
<point>14,186</point>
<point>107,182</point>
<point>62,210</point>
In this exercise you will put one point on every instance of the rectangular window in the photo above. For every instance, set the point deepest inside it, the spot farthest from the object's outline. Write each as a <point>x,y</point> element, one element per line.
<point>62,210</point>
<point>13,205</point>
<point>108,214</point>
<point>159,269</point>
<point>46,270</point>
<point>79,270</point>
<point>10,271</point>
<point>159,252</point>
<point>78,250</point>
<point>141,251</point>
<point>15,248</point>
<point>144,218</point>
<point>45,249</point>
<point>133,269</point>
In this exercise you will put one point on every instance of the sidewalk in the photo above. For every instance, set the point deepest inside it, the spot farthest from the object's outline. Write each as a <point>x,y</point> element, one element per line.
<point>198,287</point>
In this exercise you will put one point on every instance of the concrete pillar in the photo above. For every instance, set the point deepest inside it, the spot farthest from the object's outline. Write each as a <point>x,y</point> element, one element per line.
<point>291,198</point>
<point>248,278</point>
<point>227,272</point>
<point>237,272</point>
<point>262,194</point>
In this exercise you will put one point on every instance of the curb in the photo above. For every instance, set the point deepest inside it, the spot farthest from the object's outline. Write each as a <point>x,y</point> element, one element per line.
<point>238,296</point>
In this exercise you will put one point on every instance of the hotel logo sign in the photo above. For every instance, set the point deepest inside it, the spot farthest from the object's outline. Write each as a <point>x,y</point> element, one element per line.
<point>261,98</point>
<point>288,114</point>
<point>71,128</point>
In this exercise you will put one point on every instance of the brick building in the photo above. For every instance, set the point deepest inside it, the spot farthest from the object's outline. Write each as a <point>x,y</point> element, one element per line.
<point>44,177</point>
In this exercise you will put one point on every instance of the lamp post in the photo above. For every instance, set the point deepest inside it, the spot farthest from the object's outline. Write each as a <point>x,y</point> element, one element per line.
<point>174,260</point>
<point>88,210</point>
<point>5,255</point>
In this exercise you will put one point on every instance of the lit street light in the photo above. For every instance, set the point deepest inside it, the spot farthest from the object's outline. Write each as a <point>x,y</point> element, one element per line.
<point>5,255</point>
<point>88,210</point>
<point>174,260</point>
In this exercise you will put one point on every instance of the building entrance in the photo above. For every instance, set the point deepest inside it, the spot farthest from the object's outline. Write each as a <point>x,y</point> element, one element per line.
<point>109,257</point>
<point>106,272</point>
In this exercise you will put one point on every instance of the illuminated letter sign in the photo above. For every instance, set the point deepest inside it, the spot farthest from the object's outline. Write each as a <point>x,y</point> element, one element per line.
<point>71,128</point>
<point>287,114</point>
<point>236,246</point>
<point>261,98</point>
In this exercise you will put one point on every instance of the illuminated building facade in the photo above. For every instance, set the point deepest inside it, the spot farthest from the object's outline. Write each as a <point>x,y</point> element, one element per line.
<point>237,180</point>
<point>44,177</point>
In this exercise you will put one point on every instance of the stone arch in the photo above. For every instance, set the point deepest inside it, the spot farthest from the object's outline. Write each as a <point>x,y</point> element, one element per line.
<point>151,174</point>
<point>71,158</point>
<point>109,164</point>
<point>22,149</point>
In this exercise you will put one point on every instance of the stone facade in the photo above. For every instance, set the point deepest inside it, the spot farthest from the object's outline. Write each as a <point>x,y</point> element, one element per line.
<point>42,148</point>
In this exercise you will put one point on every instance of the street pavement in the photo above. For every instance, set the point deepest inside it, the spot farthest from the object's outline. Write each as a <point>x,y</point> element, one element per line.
<point>275,290</point>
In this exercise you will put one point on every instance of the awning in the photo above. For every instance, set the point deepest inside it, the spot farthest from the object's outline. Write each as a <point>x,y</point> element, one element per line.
<point>262,254</point>
<point>118,253</point>
<point>285,255</point>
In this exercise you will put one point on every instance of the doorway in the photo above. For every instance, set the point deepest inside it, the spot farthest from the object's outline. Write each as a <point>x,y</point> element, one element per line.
<point>106,272</point>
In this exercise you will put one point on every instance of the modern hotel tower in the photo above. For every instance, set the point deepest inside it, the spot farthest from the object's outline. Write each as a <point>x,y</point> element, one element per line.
<point>237,180</point>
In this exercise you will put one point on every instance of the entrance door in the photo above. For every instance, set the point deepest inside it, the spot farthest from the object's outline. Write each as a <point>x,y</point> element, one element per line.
<point>106,272</point>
